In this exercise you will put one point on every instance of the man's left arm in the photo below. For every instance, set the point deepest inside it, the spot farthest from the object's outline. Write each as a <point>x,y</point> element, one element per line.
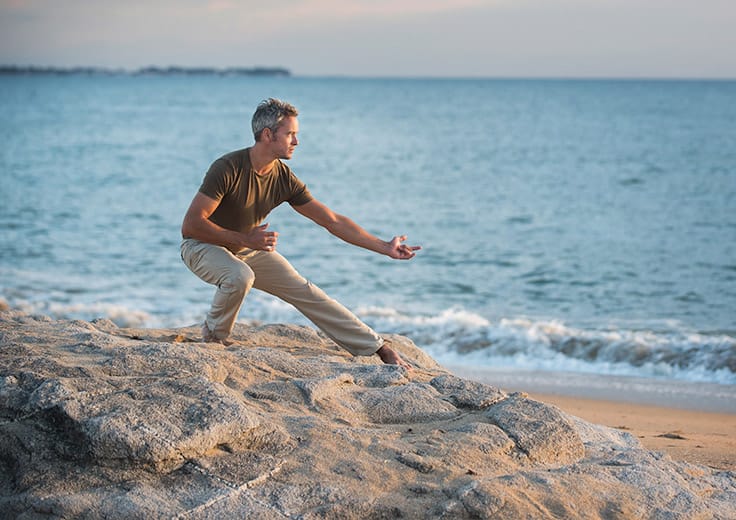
<point>347,230</point>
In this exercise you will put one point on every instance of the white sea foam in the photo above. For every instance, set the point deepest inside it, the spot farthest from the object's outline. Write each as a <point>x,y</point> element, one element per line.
<point>119,314</point>
<point>457,336</point>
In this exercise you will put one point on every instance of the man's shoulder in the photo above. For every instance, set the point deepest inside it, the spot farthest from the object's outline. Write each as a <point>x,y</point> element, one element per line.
<point>231,166</point>
<point>237,158</point>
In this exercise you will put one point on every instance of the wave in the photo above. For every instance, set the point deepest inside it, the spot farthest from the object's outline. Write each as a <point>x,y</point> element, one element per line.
<point>457,336</point>
<point>121,315</point>
<point>460,337</point>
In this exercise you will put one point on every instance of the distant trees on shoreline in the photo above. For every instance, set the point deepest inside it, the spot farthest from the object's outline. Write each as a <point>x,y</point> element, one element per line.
<point>151,71</point>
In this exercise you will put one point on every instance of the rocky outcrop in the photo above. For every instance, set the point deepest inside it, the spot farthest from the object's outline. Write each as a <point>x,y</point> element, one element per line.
<point>98,421</point>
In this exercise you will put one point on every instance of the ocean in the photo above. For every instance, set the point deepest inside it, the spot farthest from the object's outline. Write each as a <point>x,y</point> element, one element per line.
<point>574,226</point>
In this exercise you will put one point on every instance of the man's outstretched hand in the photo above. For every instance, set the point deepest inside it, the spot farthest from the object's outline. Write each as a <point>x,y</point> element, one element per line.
<point>401,251</point>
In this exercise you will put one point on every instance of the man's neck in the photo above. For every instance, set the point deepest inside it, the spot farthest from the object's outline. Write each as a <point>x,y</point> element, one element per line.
<point>260,159</point>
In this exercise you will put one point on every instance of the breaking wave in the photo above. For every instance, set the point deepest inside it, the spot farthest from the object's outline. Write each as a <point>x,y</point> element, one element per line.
<point>457,336</point>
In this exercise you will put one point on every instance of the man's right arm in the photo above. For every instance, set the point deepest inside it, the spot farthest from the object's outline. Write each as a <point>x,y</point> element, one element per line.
<point>198,226</point>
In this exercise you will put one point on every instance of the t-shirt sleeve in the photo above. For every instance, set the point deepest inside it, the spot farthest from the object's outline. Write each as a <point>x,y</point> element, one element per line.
<point>299,193</point>
<point>215,183</point>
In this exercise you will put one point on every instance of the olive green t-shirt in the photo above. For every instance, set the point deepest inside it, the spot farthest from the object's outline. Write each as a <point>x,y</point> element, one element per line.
<point>246,198</point>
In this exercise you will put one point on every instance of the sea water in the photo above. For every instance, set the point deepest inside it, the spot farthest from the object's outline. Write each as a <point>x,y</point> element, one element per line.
<point>580,226</point>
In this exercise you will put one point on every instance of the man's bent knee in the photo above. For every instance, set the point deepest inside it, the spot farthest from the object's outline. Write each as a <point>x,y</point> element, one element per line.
<point>238,279</point>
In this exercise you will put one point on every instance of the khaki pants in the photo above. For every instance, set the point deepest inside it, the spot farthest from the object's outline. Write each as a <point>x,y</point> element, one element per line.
<point>234,275</point>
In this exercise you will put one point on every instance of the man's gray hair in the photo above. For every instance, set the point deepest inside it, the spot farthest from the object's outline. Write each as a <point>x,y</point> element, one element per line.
<point>269,114</point>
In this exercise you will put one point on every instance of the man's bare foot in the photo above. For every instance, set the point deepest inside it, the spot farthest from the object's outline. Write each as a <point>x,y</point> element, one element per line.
<point>391,357</point>
<point>208,337</point>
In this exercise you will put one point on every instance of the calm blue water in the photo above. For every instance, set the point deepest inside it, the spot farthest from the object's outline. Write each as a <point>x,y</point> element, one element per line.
<point>567,225</point>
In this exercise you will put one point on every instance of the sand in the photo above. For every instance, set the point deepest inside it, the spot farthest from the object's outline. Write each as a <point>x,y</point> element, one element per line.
<point>691,422</point>
<point>705,438</point>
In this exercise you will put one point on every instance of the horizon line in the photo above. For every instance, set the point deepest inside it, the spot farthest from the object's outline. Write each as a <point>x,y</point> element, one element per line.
<point>284,72</point>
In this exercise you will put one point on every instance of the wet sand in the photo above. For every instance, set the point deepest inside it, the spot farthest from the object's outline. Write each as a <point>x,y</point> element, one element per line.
<point>692,422</point>
<point>706,438</point>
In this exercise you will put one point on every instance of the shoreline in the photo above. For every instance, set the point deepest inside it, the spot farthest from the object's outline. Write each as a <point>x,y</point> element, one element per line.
<point>691,422</point>
<point>666,393</point>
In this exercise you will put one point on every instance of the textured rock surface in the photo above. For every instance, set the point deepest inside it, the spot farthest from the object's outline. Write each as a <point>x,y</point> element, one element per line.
<point>97,421</point>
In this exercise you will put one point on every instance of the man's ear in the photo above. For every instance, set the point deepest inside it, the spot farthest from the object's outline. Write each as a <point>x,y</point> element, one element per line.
<point>267,135</point>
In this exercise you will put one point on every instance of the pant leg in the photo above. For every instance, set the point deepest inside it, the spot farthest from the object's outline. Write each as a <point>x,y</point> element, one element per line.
<point>275,275</point>
<point>232,276</point>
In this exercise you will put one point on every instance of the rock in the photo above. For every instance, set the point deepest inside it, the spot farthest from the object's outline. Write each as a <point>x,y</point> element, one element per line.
<point>540,430</point>
<point>98,421</point>
<point>413,402</point>
<point>467,394</point>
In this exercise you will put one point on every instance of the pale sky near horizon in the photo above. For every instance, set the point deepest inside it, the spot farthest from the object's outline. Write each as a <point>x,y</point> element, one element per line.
<point>469,38</point>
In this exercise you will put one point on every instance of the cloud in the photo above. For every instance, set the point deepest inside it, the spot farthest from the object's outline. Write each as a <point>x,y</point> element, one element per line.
<point>387,8</point>
<point>220,5</point>
<point>323,11</point>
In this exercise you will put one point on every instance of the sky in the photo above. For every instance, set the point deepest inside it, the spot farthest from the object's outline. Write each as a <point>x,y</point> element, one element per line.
<point>405,38</point>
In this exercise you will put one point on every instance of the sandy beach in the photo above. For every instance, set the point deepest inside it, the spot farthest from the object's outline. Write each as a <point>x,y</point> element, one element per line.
<point>706,438</point>
<point>692,422</point>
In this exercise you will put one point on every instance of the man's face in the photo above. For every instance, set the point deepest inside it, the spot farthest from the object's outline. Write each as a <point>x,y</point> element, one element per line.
<point>284,140</point>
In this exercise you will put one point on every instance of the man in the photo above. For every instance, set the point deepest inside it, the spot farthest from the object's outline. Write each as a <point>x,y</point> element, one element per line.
<point>226,243</point>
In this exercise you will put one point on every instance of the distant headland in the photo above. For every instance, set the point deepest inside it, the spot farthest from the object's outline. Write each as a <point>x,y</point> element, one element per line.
<point>150,71</point>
